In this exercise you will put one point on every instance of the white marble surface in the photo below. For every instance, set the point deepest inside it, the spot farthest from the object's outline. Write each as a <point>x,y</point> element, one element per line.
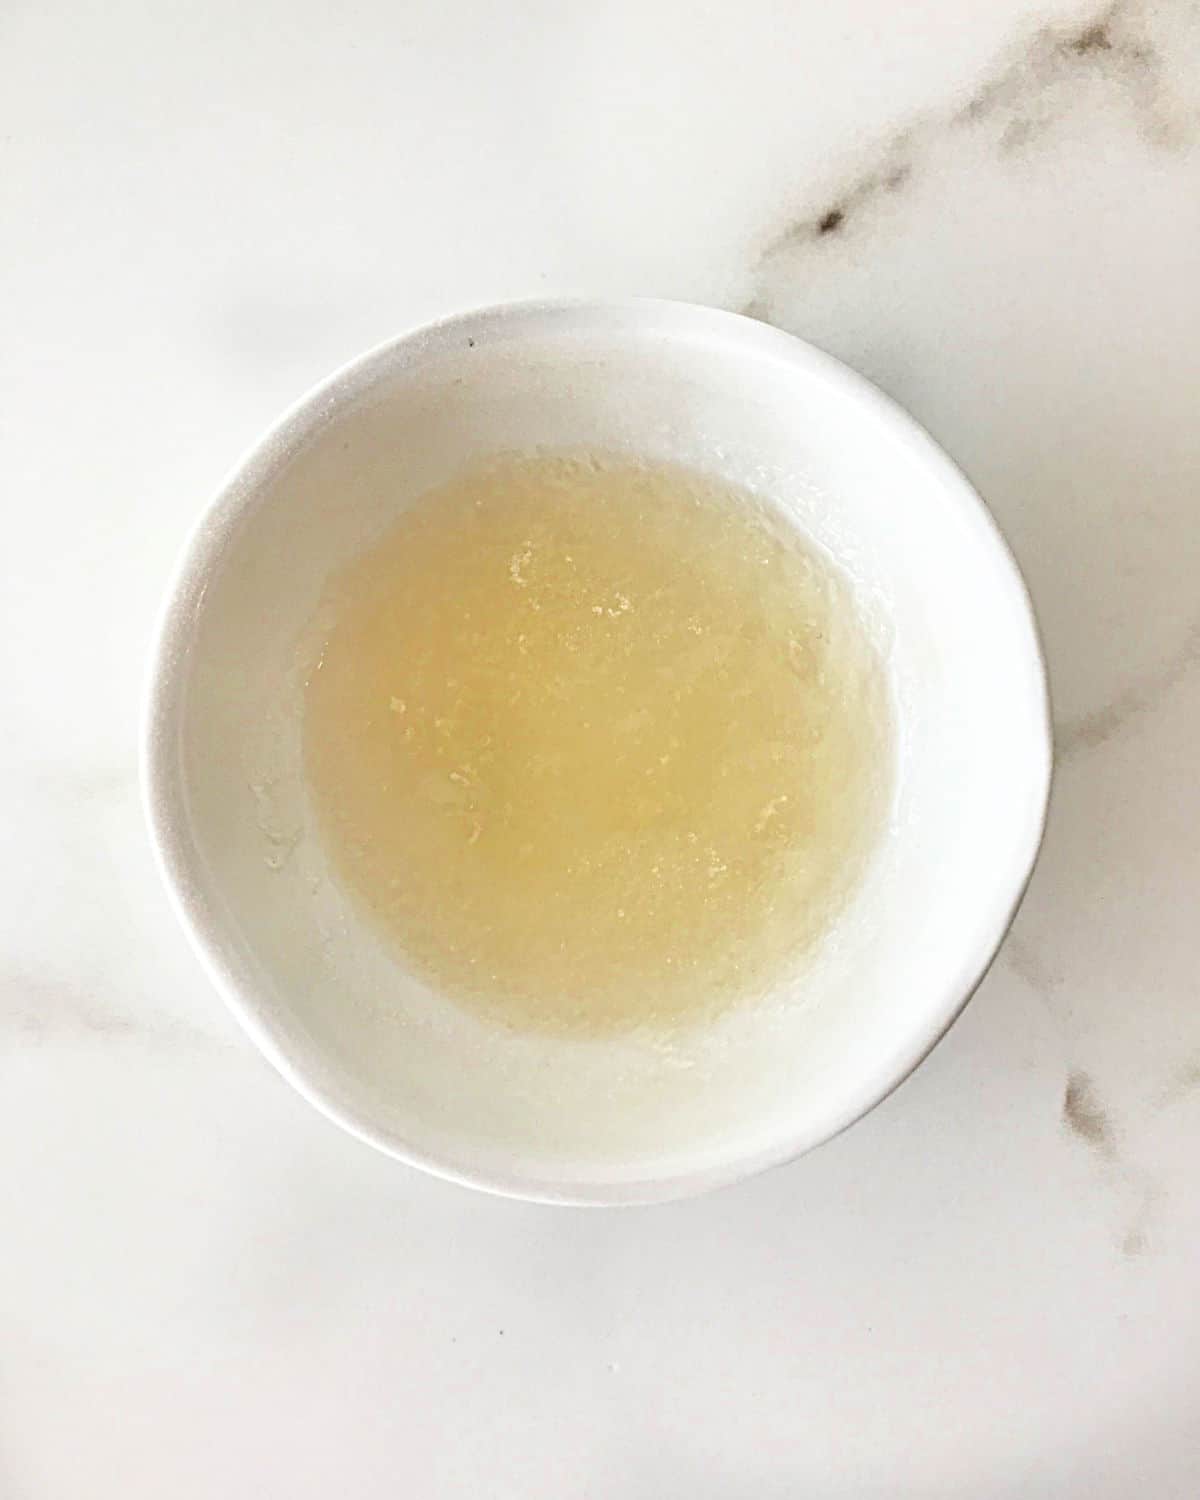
<point>988,1288</point>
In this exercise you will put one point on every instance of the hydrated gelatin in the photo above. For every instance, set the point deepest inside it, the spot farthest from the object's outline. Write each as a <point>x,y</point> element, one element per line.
<point>597,744</point>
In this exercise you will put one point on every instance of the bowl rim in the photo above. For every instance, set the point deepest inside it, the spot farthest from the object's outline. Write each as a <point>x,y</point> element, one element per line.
<point>164,796</point>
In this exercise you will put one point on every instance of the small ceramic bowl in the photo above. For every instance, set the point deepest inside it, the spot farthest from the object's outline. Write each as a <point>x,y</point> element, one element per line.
<point>640,1117</point>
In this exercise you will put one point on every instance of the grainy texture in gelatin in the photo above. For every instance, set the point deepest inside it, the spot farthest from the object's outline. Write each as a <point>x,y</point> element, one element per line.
<point>598,745</point>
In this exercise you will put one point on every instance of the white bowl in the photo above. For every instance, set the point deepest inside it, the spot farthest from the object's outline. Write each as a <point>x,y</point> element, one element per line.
<point>640,1118</point>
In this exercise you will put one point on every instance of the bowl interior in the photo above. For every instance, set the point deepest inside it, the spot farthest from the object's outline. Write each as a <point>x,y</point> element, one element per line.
<point>642,1116</point>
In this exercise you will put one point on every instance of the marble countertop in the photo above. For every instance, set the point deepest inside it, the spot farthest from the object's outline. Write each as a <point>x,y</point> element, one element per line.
<point>986,1290</point>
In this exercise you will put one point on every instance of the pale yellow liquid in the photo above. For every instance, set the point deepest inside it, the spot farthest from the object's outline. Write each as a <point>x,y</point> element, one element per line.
<point>597,745</point>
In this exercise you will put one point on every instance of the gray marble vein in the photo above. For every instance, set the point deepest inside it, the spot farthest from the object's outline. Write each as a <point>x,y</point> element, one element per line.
<point>36,1009</point>
<point>1091,730</point>
<point>1028,91</point>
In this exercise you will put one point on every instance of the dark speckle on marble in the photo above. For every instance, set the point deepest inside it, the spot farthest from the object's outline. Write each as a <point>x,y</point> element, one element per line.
<point>889,178</point>
<point>1085,1116</point>
<point>756,308</point>
<point>1094,38</point>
